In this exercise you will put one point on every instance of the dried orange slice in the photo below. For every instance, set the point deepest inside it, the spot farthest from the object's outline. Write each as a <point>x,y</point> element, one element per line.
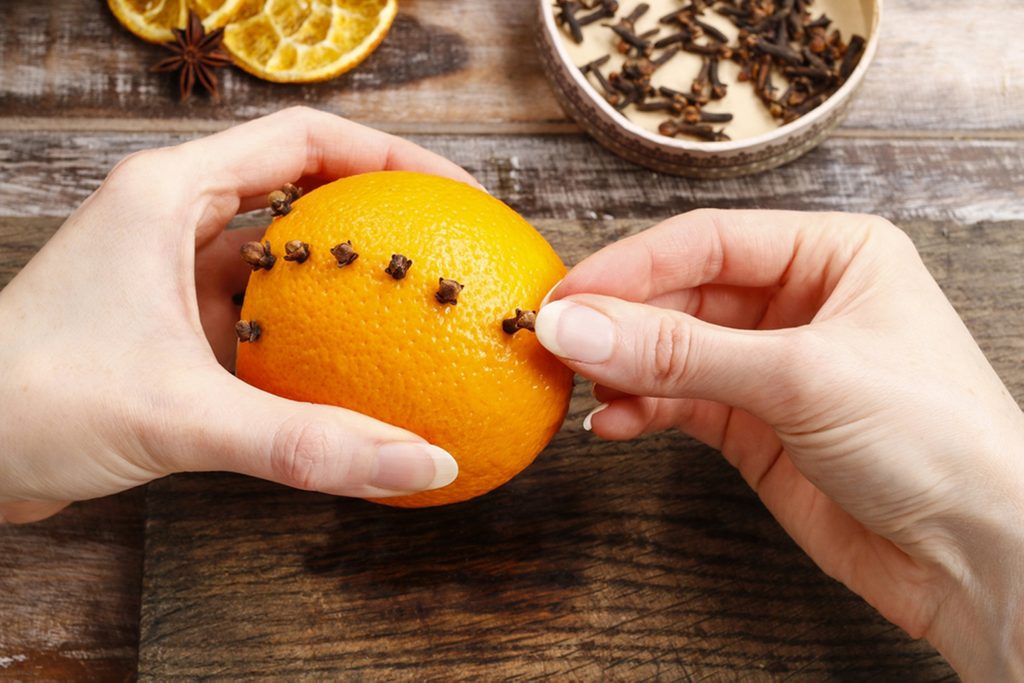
<point>216,13</point>
<point>153,20</point>
<point>297,41</point>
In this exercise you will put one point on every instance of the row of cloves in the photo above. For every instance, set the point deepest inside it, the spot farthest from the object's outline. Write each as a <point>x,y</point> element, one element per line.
<point>259,256</point>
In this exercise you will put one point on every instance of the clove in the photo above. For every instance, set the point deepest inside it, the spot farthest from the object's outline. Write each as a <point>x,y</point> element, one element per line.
<point>297,251</point>
<point>448,291</point>
<point>280,204</point>
<point>522,320</point>
<point>258,256</point>
<point>344,253</point>
<point>248,330</point>
<point>704,132</point>
<point>567,18</point>
<point>398,267</point>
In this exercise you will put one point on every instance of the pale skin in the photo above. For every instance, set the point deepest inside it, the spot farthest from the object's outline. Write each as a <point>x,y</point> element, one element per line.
<point>815,351</point>
<point>118,332</point>
<point>819,356</point>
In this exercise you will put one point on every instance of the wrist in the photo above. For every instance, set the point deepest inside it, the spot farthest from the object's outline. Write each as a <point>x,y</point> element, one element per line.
<point>981,633</point>
<point>979,626</point>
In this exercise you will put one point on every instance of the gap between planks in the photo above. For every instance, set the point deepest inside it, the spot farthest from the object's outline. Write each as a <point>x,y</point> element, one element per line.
<point>15,124</point>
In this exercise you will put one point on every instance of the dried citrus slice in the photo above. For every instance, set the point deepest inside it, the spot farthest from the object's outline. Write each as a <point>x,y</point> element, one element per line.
<point>151,20</point>
<point>295,41</point>
<point>216,13</point>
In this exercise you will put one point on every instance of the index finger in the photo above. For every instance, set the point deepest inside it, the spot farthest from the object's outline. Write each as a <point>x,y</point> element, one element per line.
<point>257,157</point>
<point>738,248</point>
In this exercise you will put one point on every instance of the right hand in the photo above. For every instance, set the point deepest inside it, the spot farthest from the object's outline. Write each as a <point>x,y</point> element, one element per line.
<point>818,354</point>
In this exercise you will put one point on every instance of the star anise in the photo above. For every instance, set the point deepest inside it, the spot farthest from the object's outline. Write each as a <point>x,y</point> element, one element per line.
<point>196,55</point>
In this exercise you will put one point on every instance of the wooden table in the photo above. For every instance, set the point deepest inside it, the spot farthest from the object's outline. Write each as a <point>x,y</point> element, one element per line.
<point>635,561</point>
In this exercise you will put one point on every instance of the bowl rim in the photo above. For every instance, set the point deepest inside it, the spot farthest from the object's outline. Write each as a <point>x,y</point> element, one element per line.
<point>780,133</point>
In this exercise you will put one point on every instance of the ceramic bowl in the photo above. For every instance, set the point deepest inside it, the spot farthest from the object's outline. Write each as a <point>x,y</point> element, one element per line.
<point>761,152</point>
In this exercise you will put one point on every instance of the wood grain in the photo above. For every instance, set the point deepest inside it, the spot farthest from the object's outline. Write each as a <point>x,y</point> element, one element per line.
<point>570,176</point>
<point>943,66</point>
<point>631,561</point>
<point>69,593</point>
<point>20,238</point>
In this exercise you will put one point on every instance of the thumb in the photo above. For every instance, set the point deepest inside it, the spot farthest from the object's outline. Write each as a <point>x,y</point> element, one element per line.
<point>650,351</point>
<point>238,428</point>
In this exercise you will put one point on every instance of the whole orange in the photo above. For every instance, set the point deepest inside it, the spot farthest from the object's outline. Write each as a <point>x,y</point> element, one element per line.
<point>354,336</point>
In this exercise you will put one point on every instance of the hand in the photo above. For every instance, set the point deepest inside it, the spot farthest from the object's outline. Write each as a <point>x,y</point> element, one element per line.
<point>111,334</point>
<point>817,353</point>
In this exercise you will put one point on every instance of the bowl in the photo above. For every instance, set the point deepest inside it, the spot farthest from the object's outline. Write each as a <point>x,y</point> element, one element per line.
<point>769,145</point>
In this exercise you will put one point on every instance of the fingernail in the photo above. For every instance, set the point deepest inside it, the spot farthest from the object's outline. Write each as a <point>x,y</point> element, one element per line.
<point>575,332</point>
<point>547,297</point>
<point>588,421</point>
<point>413,467</point>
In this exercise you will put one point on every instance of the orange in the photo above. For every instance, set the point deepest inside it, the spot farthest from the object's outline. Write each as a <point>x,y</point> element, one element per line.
<point>290,42</point>
<point>355,337</point>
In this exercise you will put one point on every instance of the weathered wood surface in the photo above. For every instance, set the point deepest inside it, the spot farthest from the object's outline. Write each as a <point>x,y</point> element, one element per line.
<point>69,593</point>
<point>570,176</point>
<point>647,560</point>
<point>943,66</point>
<point>637,561</point>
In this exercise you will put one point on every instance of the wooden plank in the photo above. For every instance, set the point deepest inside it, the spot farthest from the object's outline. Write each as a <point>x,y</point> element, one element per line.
<point>942,66</point>
<point>69,593</point>
<point>20,239</point>
<point>69,586</point>
<point>571,177</point>
<point>648,559</point>
<point>602,561</point>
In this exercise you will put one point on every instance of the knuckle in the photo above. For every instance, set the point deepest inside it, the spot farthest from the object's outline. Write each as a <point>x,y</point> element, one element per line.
<point>889,235</point>
<point>298,110</point>
<point>300,454</point>
<point>713,217</point>
<point>300,114</point>
<point>671,352</point>
<point>132,165</point>
<point>145,168</point>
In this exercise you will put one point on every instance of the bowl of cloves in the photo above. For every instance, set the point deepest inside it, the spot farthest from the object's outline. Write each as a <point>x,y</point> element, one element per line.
<point>708,88</point>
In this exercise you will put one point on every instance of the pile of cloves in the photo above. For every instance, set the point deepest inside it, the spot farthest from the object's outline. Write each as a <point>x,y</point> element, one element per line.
<point>259,256</point>
<point>776,39</point>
